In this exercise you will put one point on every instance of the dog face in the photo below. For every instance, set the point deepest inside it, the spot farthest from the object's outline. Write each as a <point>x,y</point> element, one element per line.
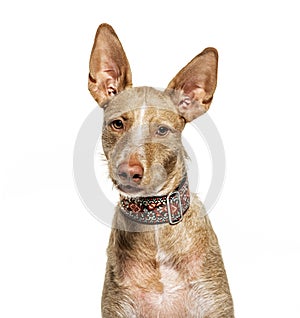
<point>142,141</point>
<point>142,126</point>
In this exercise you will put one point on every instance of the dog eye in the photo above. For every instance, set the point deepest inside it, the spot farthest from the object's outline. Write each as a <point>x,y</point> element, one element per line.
<point>162,131</point>
<point>117,124</point>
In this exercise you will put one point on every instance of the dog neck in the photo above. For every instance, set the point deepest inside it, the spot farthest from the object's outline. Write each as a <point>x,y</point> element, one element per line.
<point>158,209</point>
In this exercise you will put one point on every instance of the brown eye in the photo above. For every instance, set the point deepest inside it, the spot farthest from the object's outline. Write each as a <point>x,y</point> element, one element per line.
<point>162,131</point>
<point>117,124</point>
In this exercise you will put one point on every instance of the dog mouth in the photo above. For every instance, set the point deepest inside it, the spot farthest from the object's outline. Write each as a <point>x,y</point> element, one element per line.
<point>129,189</point>
<point>142,191</point>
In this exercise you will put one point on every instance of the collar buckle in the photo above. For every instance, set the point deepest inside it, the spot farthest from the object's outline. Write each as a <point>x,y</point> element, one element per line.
<point>179,219</point>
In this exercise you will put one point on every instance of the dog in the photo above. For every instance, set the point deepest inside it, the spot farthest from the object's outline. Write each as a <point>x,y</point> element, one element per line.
<point>163,256</point>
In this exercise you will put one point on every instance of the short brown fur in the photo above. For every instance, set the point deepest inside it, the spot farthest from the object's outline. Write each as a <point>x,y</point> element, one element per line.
<point>156,270</point>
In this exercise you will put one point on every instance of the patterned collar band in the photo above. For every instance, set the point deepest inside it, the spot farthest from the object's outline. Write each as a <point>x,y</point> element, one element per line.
<point>158,210</point>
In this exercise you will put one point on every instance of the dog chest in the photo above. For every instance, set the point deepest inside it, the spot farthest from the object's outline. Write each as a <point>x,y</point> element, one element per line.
<point>160,291</point>
<point>168,299</point>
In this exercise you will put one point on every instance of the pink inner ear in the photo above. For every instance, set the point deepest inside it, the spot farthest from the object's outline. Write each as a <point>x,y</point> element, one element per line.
<point>184,103</point>
<point>191,102</point>
<point>194,92</point>
<point>110,77</point>
<point>197,80</point>
<point>199,94</point>
<point>109,68</point>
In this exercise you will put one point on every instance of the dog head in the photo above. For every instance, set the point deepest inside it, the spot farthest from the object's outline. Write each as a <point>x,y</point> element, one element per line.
<point>142,126</point>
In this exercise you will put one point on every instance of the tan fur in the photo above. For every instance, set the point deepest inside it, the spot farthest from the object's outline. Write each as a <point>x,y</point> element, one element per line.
<point>156,271</point>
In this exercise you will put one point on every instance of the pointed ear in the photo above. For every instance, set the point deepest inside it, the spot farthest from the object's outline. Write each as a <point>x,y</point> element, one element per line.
<point>193,87</point>
<point>109,68</point>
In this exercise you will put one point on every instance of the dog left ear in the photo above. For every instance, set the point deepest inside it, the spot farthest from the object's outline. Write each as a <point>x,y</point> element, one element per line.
<point>193,87</point>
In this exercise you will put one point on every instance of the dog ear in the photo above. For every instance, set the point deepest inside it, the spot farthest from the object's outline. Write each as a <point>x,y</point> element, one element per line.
<point>109,68</point>
<point>193,87</point>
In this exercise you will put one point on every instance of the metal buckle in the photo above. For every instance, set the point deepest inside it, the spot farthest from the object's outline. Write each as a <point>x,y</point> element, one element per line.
<point>169,208</point>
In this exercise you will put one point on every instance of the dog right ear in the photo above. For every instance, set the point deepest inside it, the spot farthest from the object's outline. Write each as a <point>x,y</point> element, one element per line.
<point>109,68</point>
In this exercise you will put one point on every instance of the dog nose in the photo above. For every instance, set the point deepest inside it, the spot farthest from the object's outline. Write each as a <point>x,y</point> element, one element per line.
<point>131,172</point>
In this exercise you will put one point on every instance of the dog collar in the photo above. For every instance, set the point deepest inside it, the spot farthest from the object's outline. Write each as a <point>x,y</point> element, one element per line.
<point>158,210</point>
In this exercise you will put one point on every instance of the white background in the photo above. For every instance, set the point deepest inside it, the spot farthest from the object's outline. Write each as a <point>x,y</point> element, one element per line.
<point>52,250</point>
